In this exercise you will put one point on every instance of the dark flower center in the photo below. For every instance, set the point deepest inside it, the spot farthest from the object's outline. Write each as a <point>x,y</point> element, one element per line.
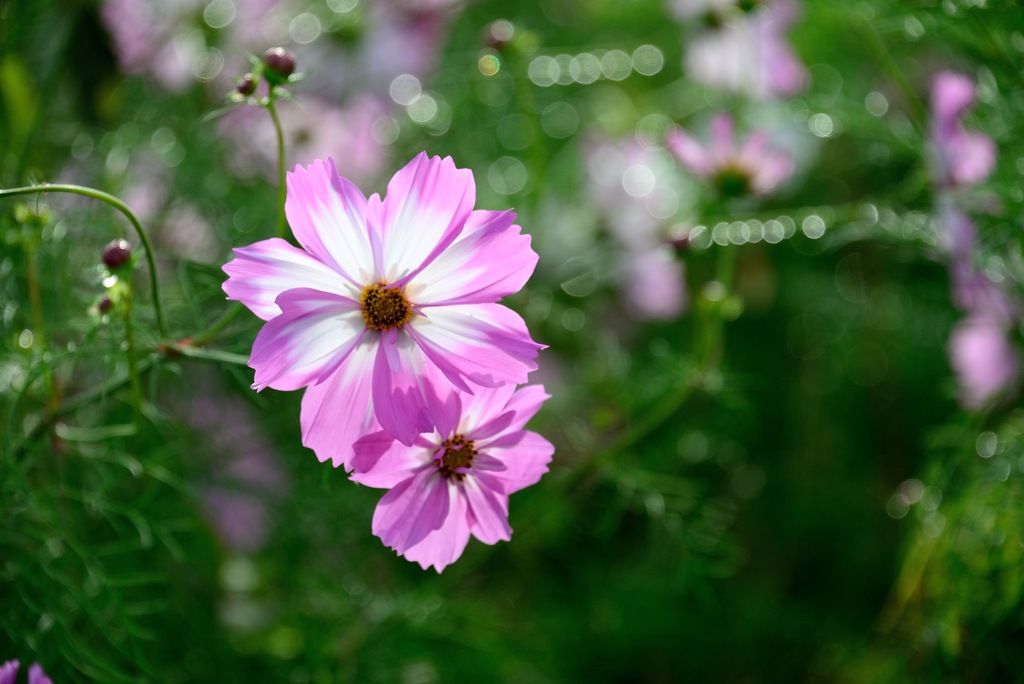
<point>458,453</point>
<point>385,308</point>
<point>732,182</point>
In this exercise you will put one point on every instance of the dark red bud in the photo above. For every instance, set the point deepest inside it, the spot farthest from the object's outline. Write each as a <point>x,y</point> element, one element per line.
<point>278,64</point>
<point>246,85</point>
<point>116,254</point>
<point>105,305</point>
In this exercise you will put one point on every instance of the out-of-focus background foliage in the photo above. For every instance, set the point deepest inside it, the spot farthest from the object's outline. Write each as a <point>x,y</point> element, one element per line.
<point>765,467</point>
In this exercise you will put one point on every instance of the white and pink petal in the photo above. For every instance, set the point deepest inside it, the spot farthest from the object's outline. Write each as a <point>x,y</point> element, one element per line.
<point>260,272</point>
<point>486,344</point>
<point>338,412</point>
<point>314,334</point>
<point>327,214</point>
<point>491,259</point>
<point>425,208</point>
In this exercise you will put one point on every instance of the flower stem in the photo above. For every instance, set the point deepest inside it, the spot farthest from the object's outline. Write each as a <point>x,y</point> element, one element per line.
<point>282,191</point>
<point>123,208</point>
<point>203,337</point>
<point>133,362</point>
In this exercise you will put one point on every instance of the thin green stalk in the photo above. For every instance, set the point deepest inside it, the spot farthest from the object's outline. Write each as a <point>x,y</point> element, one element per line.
<point>36,303</point>
<point>133,361</point>
<point>709,356</point>
<point>282,191</point>
<point>203,337</point>
<point>123,208</point>
<point>82,399</point>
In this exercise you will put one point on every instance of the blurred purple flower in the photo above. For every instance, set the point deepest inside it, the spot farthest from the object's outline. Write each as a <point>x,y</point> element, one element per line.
<point>654,284</point>
<point>244,479</point>
<point>455,482</point>
<point>36,675</point>
<point>733,171</point>
<point>745,50</point>
<point>156,38</point>
<point>983,358</point>
<point>961,157</point>
<point>627,185</point>
<point>313,129</point>
<point>8,671</point>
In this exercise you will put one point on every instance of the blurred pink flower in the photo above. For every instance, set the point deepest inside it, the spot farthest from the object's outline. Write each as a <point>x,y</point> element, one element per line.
<point>733,172</point>
<point>156,38</point>
<point>9,673</point>
<point>389,300</point>
<point>983,358</point>
<point>628,185</point>
<point>455,482</point>
<point>313,129</point>
<point>243,477</point>
<point>745,51</point>
<point>654,283</point>
<point>961,157</point>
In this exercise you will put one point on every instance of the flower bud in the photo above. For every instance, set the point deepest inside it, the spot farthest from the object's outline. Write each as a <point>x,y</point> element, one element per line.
<point>246,85</point>
<point>105,305</point>
<point>278,65</point>
<point>116,254</point>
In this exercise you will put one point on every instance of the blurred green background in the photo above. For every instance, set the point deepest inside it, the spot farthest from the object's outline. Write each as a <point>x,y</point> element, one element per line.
<point>776,483</point>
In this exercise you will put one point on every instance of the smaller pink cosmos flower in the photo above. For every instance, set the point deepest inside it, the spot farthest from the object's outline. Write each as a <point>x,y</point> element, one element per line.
<point>455,482</point>
<point>961,157</point>
<point>752,168</point>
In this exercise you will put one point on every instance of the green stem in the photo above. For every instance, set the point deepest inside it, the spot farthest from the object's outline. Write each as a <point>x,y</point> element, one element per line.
<point>202,338</point>
<point>133,361</point>
<point>709,357</point>
<point>282,190</point>
<point>123,208</point>
<point>82,399</point>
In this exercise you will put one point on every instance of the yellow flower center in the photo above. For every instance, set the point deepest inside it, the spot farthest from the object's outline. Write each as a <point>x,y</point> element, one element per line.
<point>385,307</point>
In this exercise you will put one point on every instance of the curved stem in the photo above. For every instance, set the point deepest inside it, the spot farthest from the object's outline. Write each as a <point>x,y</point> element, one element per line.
<point>123,208</point>
<point>282,221</point>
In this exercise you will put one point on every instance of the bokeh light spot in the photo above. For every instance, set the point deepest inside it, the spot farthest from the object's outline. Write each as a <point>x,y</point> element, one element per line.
<point>219,13</point>
<point>648,60</point>
<point>507,175</point>
<point>560,120</point>
<point>616,65</point>
<point>304,28</point>
<point>543,71</point>
<point>488,64</point>
<point>405,89</point>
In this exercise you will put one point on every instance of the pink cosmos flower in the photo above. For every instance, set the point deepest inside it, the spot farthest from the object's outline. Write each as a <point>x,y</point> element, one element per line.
<point>387,302</point>
<point>455,482</point>
<point>733,172</point>
<point>961,157</point>
<point>983,358</point>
